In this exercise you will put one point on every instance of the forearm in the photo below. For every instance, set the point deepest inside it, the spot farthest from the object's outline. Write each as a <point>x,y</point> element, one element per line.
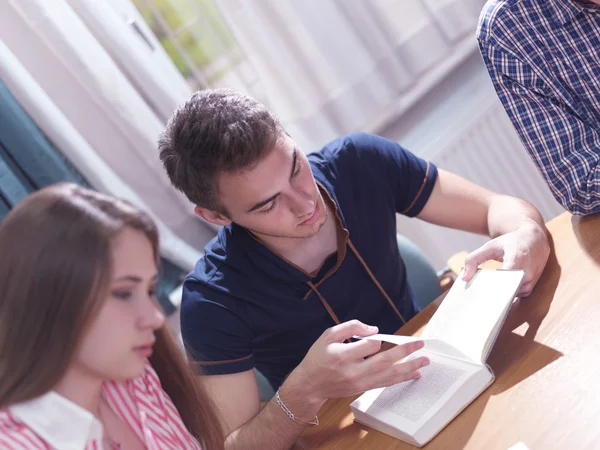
<point>507,214</point>
<point>271,427</point>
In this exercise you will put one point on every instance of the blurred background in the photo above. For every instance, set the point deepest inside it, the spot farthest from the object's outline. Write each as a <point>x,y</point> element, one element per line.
<point>86,86</point>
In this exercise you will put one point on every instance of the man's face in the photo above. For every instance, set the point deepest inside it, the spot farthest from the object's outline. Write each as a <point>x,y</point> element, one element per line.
<point>278,197</point>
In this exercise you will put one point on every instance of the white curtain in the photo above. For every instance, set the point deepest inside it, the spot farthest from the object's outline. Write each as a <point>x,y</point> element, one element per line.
<point>328,67</point>
<point>104,86</point>
<point>84,93</point>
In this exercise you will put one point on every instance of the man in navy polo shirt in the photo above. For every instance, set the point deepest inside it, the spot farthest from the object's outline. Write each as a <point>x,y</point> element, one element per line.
<point>307,258</point>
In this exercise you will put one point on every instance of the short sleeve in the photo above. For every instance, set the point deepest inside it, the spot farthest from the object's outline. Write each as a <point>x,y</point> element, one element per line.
<point>216,337</point>
<point>410,179</point>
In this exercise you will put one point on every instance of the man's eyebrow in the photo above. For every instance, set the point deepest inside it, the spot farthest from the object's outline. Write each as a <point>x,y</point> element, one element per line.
<point>264,202</point>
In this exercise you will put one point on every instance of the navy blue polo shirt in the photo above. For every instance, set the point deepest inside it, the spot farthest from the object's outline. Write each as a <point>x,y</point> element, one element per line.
<point>244,306</point>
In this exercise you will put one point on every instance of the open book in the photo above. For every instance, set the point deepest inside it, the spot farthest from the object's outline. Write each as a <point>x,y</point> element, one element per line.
<point>458,339</point>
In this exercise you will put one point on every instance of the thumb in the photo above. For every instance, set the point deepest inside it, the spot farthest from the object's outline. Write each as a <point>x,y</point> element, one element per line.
<point>490,250</point>
<point>346,330</point>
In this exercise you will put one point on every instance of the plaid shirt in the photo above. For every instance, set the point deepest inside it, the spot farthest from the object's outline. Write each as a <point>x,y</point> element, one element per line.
<point>544,59</point>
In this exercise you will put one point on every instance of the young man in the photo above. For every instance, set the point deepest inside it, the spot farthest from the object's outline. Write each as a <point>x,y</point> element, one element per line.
<point>307,258</point>
<point>544,59</point>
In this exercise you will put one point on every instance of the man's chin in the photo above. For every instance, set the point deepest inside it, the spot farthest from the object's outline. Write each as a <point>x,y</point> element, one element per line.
<point>307,233</point>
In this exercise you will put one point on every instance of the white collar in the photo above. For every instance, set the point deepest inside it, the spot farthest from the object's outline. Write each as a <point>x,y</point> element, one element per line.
<point>63,424</point>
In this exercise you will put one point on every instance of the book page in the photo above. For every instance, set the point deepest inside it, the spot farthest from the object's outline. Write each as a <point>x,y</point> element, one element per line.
<point>471,312</point>
<point>409,405</point>
<point>431,345</point>
<point>412,400</point>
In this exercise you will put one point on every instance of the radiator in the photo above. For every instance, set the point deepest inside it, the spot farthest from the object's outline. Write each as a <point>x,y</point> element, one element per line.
<point>486,150</point>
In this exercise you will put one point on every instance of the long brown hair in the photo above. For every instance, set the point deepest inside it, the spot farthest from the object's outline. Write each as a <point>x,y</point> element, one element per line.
<point>55,263</point>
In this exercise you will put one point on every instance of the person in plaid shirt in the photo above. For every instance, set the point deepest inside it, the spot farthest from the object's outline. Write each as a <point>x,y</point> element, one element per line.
<point>544,59</point>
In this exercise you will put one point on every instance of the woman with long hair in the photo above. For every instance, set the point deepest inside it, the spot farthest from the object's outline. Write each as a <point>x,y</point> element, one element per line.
<point>86,361</point>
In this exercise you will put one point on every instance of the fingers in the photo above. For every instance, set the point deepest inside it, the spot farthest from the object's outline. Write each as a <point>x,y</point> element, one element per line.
<point>360,349</point>
<point>521,260</point>
<point>490,250</point>
<point>397,373</point>
<point>528,285</point>
<point>393,355</point>
<point>525,291</point>
<point>346,330</point>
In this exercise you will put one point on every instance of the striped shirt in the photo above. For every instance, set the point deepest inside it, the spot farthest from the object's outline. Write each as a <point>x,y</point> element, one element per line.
<point>51,422</point>
<point>544,59</point>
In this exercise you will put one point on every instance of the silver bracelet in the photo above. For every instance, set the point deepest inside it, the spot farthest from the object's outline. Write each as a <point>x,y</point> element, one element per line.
<point>291,415</point>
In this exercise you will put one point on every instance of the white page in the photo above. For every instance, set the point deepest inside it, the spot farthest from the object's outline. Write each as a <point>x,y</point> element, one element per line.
<point>409,405</point>
<point>470,312</point>
<point>431,345</point>
<point>415,399</point>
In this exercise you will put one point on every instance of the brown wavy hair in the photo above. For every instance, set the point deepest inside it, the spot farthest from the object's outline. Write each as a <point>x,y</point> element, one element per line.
<point>216,130</point>
<point>55,267</point>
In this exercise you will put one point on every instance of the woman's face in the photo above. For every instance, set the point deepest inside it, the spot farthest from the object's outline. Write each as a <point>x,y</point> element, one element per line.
<point>120,338</point>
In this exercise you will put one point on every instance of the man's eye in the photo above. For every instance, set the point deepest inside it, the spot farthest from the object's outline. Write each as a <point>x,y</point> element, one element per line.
<point>271,208</point>
<point>298,168</point>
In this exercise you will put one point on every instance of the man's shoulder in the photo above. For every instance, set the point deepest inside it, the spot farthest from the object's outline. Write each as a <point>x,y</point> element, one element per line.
<point>214,258</point>
<point>499,18</point>
<point>352,148</point>
<point>212,292</point>
<point>220,254</point>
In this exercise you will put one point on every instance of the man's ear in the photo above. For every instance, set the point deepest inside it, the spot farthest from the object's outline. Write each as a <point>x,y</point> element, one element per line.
<point>212,216</point>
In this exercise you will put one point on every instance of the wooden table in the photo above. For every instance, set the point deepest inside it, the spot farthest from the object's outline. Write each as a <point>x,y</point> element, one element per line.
<point>546,360</point>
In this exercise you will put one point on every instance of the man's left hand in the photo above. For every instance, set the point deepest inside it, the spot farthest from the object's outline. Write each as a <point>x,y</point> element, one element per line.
<point>526,248</point>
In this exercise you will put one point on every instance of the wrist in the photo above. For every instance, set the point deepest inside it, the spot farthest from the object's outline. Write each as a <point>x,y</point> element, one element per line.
<point>299,395</point>
<point>533,226</point>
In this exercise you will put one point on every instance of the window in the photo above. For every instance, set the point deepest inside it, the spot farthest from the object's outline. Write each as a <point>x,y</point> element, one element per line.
<point>195,37</point>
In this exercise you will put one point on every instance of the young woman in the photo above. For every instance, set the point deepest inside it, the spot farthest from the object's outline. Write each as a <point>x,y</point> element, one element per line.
<point>86,361</point>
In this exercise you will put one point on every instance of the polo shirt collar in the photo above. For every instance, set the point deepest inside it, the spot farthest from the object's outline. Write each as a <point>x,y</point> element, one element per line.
<point>63,424</point>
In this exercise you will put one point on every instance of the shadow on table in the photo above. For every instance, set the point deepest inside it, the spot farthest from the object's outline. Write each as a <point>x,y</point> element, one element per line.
<point>587,232</point>
<point>513,359</point>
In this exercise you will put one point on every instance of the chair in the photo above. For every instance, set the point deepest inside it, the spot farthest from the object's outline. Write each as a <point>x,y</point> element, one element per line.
<point>421,276</point>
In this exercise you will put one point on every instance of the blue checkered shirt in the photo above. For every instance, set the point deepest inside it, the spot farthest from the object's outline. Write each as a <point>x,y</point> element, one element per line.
<point>544,59</point>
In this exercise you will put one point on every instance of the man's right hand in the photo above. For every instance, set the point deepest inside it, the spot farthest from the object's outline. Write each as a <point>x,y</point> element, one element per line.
<point>333,369</point>
<point>330,369</point>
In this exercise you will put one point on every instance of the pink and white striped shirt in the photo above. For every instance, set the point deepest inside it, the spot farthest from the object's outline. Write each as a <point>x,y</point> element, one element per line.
<point>51,422</point>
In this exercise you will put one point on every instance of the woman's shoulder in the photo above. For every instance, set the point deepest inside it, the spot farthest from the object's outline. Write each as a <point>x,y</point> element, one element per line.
<point>15,435</point>
<point>146,395</point>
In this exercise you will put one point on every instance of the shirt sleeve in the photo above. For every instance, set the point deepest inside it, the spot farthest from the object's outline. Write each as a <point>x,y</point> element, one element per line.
<point>215,335</point>
<point>565,149</point>
<point>410,178</point>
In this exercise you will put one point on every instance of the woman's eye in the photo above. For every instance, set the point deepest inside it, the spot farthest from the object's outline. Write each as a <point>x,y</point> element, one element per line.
<point>122,295</point>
